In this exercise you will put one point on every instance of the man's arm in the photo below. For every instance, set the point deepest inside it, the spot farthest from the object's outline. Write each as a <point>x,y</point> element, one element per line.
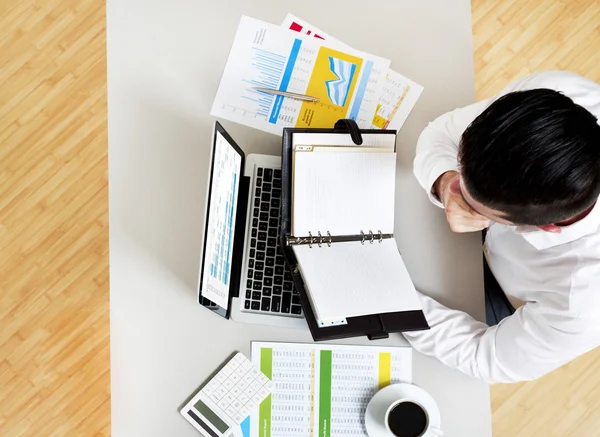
<point>522,347</point>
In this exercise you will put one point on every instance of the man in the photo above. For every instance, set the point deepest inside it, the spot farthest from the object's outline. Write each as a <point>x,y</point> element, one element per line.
<point>524,165</point>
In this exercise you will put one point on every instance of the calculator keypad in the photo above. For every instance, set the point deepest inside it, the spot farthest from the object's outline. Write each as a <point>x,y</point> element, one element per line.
<point>238,388</point>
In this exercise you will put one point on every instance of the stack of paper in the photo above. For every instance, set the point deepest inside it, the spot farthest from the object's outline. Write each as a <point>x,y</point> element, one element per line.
<point>296,57</point>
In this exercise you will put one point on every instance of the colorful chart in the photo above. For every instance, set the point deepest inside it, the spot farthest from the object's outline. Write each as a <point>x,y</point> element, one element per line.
<point>323,390</point>
<point>397,99</point>
<point>266,71</point>
<point>398,94</point>
<point>338,89</point>
<point>263,55</point>
<point>335,82</point>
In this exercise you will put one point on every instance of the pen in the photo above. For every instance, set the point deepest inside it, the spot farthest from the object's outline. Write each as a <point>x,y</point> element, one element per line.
<point>295,96</point>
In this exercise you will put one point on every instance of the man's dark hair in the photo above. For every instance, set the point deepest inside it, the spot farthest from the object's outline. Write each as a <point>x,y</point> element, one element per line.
<point>535,155</point>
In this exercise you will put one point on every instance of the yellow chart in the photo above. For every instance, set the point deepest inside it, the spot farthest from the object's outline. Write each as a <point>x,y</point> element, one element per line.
<point>333,81</point>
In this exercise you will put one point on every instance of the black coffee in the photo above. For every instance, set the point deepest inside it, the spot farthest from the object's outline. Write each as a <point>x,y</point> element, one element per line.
<point>407,419</point>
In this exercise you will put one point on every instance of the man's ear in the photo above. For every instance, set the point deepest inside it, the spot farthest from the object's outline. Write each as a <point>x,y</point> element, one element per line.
<point>455,186</point>
<point>550,228</point>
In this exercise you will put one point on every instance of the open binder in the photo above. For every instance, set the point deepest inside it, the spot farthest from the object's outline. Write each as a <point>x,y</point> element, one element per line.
<point>317,254</point>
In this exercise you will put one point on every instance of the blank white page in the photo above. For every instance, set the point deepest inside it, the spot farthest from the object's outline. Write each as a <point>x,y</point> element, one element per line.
<point>352,279</point>
<point>343,193</point>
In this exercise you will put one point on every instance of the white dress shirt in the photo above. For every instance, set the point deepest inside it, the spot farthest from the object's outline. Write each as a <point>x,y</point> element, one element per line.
<point>553,279</point>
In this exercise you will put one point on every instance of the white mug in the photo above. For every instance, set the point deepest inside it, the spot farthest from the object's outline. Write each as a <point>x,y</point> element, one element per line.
<point>428,427</point>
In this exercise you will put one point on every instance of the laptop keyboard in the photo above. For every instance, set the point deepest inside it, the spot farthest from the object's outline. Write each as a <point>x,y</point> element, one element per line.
<point>269,287</point>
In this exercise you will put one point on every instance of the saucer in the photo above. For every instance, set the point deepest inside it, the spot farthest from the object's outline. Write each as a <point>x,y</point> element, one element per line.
<point>378,405</point>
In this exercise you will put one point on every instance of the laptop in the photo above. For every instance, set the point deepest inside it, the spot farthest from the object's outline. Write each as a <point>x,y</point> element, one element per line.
<point>243,274</point>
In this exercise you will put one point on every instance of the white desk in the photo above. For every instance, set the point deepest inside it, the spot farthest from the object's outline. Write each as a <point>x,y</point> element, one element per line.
<point>165,60</point>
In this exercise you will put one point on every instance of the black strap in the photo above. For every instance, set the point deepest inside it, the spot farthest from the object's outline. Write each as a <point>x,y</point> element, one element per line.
<point>380,334</point>
<point>350,126</point>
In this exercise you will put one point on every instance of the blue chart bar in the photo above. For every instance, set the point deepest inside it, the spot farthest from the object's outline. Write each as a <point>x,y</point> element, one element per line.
<point>215,262</point>
<point>230,230</point>
<point>268,70</point>
<point>285,80</point>
<point>360,92</point>
<point>222,245</point>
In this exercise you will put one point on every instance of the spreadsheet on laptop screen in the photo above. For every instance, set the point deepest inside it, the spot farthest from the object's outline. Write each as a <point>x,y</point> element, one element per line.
<point>223,198</point>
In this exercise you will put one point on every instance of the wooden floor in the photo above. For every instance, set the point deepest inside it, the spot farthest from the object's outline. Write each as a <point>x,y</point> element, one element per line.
<point>54,326</point>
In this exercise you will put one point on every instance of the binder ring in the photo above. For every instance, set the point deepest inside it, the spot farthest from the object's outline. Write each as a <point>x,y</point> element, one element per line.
<point>371,234</point>
<point>310,240</point>
<point>362,241</point>
<point>320,238</point>
<point>380,236</point>
<point>329,241</point>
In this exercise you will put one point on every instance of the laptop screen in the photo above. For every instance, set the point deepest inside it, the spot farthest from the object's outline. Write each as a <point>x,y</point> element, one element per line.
<point>222,206</point>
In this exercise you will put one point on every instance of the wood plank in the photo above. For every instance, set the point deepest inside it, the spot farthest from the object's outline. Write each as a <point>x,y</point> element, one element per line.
<point>54,345</point>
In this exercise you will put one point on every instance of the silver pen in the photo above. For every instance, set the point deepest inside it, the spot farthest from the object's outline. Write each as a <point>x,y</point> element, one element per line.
<point>294,96</point>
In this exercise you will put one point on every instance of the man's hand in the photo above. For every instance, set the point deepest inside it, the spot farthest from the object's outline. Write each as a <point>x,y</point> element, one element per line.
<point>459,214</point>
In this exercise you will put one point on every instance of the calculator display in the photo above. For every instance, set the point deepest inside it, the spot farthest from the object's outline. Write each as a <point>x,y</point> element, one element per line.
<point>211,416</point>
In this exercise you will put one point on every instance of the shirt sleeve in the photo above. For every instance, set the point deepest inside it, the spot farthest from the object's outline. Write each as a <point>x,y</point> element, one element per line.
<point>522,347</point>
<point>437,147</point>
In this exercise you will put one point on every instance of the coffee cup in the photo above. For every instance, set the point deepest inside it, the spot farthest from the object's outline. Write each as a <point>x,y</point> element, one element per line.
<point>407,418</point>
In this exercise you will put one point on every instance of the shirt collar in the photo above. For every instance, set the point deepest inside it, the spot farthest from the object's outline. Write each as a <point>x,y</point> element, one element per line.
<point>544,240</point>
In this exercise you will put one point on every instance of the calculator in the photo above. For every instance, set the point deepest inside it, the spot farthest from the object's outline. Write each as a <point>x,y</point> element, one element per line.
<point>225,401</point>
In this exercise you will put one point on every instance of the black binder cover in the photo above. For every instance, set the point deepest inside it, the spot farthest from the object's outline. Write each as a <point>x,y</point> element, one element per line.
<point>374,326</point>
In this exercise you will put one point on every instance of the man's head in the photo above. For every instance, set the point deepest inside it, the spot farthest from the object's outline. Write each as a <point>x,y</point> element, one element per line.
<point>531,158</point>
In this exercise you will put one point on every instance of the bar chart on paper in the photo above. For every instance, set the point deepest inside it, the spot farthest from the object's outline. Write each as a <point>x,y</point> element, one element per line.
<point>221,223</point>
<point>268,70</point>
<point>323,390</point>
<point>347,83</point>
<point>273,70</point>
